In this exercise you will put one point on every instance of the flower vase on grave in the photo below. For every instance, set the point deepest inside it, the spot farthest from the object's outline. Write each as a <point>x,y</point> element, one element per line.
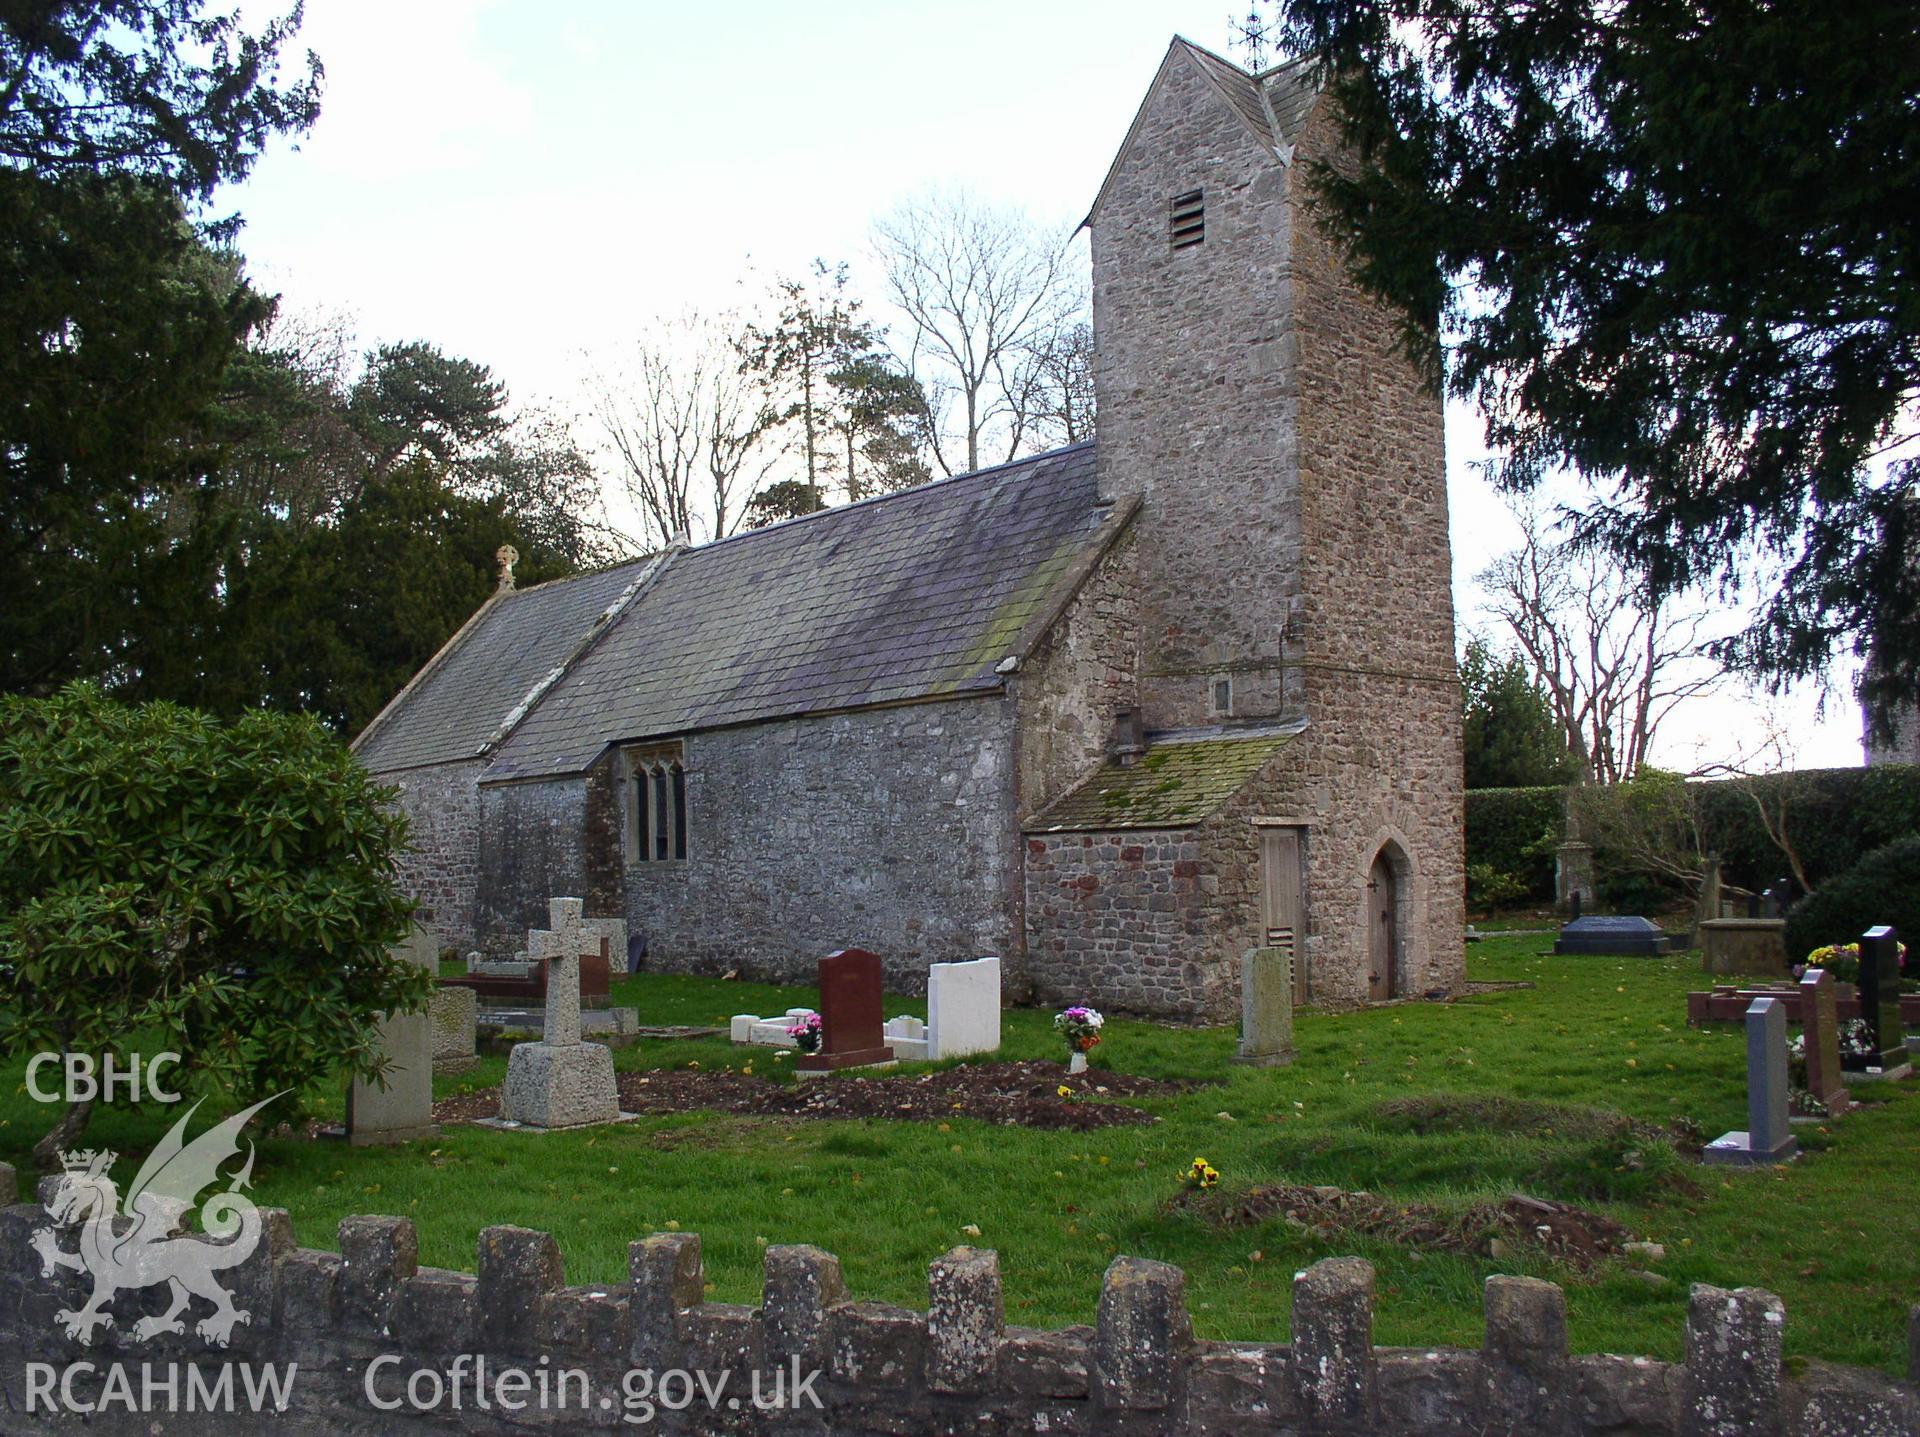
<point>1078,1062</point>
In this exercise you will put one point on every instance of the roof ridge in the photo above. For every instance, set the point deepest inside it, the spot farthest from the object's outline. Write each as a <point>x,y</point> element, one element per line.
<point>1213,55</point>
<point>1291,62</point>
<point>584,574</point>
<point>874,499</point>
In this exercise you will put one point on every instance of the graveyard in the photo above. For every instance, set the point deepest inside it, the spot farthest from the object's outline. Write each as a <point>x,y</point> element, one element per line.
<point>1547,1123</point>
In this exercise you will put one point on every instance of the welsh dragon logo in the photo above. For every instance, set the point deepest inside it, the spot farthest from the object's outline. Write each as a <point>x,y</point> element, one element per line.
<point>141,1243</point>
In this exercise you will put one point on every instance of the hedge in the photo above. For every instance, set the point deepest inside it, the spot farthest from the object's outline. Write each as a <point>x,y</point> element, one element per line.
<point>1835,817</point>
<point>1884,887</point>
<point>1515,830</point>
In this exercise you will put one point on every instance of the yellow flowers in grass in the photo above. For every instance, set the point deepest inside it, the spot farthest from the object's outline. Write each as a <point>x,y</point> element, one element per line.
<point>1199,1174</point>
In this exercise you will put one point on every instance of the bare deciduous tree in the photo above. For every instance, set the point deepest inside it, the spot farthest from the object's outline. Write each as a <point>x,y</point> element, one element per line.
<point>985,293</point>
<point>694,434</point>
<point>1612,663</point>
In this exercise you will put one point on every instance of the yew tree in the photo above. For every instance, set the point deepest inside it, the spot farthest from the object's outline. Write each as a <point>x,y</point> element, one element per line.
<point>1668,246</point>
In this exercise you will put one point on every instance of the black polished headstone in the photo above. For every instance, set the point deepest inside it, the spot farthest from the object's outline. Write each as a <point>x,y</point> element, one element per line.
<point>1880,997</point>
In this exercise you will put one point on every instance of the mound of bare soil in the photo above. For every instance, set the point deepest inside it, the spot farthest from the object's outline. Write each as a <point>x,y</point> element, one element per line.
<point>1572,1235</point>
<point>1013,1094</point>
<point>1444,1112</point>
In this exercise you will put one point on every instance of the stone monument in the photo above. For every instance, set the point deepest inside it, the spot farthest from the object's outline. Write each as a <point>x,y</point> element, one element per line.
<point>1880,1004</point>
<point>1820,1038</point>
<point>851,1027</point>
<point>1744,947</point>
<point>1769,1137</point>
<point>454,1013</point>
<point>1266,1007</point>
<point>963,1008</point>
<point>1614,937</point>
<point>1572,875</point>
<point>561,1082</point>
<point>403,1107</point>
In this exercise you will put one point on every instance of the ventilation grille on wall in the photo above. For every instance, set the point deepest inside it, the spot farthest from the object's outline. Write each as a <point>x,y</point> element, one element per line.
<point>1286,941</point>
<point>1187,219</point>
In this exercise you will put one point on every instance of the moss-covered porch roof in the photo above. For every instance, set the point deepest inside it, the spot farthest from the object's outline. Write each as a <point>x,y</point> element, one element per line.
<point>1182,779</point>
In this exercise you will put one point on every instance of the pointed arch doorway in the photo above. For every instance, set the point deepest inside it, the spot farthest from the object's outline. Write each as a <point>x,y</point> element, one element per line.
<point>1383,929</point>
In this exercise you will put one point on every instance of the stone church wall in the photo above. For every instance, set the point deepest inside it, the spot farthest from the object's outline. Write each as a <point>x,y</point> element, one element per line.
<point>440,869</point>
<point>532,848</point>
<point>1068,691</point>
<point>1198,402</point>
<point>1381,756</point>
<point>890,829</point>
<point>1124,919</point>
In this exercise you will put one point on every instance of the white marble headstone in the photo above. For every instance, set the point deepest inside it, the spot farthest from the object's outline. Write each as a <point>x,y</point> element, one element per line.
<point>963,1008</point>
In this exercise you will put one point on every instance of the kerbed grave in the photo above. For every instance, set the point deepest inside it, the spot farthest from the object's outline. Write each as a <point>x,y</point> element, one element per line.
<point>963,1017</point>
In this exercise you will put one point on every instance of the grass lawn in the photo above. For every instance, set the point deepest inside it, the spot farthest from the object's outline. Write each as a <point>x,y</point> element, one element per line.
<point>1836,1234</point>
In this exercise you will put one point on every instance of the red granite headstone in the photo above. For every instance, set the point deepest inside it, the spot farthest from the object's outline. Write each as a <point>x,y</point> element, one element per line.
<point>852,1031</point>
<point>1820,1020</point>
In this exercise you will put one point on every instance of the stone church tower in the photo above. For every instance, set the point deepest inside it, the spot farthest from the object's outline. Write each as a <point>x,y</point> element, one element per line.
<point>1293,557</point>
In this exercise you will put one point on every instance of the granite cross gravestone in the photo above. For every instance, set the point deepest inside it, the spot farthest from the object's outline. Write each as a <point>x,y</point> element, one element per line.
<point>561,1082</point>
<point>851,1027</point>
<point>1820,1038</point>
<point>1768,1138</point>
<point>400,1105</point>
<point>1880,1003</point>
<point>1266,1007</point>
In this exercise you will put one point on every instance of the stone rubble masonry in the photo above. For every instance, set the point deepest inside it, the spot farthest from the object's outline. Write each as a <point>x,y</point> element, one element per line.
<point>1138,1372</point>
<point>1293,530</point>
<point>1087,668</point>
<point>440,870</point>
<point>891,829</point>
<point>1198,394</point>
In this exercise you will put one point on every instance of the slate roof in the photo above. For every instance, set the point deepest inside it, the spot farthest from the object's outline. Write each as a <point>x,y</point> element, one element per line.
<point>1273,105</point>
<point>461,699</point>
<point>1290,90</point>
<point>909,596</point>
<point>1181,780</point>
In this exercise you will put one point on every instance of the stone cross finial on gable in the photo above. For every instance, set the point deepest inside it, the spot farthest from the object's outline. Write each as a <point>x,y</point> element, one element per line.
<point>508,557</point>
<point>560,948</point>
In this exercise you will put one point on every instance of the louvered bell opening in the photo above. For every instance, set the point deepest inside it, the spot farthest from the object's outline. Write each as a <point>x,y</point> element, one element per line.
<point>1187,220</point>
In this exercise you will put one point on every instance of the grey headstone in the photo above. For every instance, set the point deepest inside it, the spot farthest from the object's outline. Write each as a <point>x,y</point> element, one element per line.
<point>1266,1007</point>
<point>402,1109</point>
<point>1767,1138</point>
<point>454,1013</point>
<point>1618,936</point>
<point>561,1082</point>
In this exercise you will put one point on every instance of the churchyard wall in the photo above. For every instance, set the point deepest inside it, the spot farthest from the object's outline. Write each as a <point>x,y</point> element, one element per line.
<point>440,869</point>
<point>890,829</point>
<point>370,1317</point>
<point>1069,690</point>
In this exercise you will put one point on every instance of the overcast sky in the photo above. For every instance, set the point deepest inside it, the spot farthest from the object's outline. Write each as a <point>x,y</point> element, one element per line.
<point>527,184</point>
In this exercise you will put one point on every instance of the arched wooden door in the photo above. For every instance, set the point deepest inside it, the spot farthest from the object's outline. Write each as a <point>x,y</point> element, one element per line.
<point>1383,937</point>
